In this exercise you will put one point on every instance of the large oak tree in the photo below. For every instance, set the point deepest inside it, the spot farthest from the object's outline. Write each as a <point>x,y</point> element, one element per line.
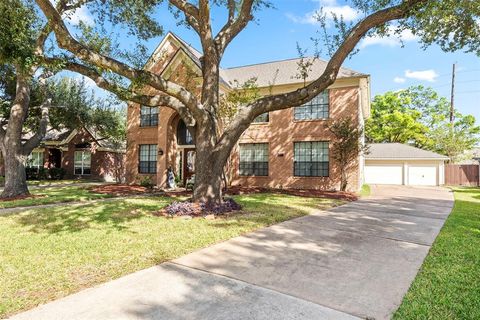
<point>452,24</point>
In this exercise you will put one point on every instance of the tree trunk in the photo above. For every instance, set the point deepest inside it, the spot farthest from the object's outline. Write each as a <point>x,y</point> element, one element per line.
<point>15,176</point>
<point>344,180</point>
<point>208,180</point>
<point>12,147</point>
<point>208,168</point>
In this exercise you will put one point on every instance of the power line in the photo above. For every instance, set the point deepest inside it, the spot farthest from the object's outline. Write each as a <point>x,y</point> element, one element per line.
<point>449,84</point>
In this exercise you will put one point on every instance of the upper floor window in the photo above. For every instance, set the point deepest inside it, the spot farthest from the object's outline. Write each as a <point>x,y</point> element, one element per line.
<point>35,160</point>
<point>311,159</point>
<point>83,162</point>
<point>262,118</point>
<point>254,159</point>
<point>148,116</point>
<point>184,136</point>
<point>147,158</point>
<point>317,108</point>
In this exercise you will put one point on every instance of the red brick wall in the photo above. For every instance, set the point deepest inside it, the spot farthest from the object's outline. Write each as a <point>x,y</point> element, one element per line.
<point>281,133</point>
<point>102,165</point>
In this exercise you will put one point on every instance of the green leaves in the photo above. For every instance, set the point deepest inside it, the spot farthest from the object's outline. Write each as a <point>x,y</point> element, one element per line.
<point>18,29</point>
<point>418,115</point>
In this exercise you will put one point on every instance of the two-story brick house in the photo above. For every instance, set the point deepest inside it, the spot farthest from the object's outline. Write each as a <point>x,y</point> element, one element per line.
<point>289,148</point>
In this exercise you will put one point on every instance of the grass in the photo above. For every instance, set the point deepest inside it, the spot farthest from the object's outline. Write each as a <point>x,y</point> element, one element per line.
<point>365,191</point>
<point>50,253</point>
<point>448,286</point>
<point>54,195</point>
<point>56,182</point>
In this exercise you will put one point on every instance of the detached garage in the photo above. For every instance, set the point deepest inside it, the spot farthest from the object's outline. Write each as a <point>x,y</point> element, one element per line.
<point>401,164</point>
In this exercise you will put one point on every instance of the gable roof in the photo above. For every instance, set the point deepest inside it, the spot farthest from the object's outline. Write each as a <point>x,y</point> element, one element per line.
<point>282,72</point>
<point>63,136</point>
<point>268,73</point>
<point>400,151</point>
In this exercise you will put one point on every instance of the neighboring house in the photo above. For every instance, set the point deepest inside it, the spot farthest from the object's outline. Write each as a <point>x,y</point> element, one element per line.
<point>401,164</point>
<point>289,148</point>
<point>81,152</point>
<point>471,157</point>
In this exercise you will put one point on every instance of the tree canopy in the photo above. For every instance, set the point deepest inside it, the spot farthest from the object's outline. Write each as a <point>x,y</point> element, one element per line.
<point>93,50</point>
<point>419,116</point>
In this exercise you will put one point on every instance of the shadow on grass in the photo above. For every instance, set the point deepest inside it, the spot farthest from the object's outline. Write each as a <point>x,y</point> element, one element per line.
<point>74,218</point>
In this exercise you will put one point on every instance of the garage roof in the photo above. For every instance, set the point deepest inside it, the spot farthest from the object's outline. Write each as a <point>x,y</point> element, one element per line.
<point>399,151</point>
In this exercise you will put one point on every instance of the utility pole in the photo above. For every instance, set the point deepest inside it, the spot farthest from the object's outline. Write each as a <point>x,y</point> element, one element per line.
<point>452,101</point>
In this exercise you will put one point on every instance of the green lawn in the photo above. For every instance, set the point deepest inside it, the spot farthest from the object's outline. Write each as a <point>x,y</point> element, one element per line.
<point>56,182</point>
<point>46,254</point>
<point>448,285</point>
<point>54,195</point>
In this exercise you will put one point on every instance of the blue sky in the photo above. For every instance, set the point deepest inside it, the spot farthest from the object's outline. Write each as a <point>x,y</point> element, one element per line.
<point>276,33</point>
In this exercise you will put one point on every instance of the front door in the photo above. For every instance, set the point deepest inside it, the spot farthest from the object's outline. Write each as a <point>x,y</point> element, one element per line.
<point>188,164</point>
<point>54,158</point>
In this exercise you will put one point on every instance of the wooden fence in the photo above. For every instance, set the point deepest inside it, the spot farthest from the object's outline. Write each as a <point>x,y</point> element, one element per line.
<point>462,175</point>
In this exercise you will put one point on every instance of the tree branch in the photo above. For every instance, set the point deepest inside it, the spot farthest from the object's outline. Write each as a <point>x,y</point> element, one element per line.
<point>245,115</point>
<point>67,42</point>
<point>160,100</point>
<point>37,138</point>
<point>190,11</point>
<point>234,26</point>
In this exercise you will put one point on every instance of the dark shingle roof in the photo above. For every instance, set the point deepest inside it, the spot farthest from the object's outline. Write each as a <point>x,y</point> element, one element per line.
<point>395,151</point>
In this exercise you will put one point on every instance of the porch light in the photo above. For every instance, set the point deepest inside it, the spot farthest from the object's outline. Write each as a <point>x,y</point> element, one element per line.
<point>160,152</point>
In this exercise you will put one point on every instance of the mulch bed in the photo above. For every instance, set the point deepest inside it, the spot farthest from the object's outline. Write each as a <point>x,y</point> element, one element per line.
<point>313,193</point>
<point>121,189</point>
<point>125,190</point>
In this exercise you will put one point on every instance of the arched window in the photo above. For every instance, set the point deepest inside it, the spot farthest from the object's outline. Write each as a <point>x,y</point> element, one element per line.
<point>184,137</point>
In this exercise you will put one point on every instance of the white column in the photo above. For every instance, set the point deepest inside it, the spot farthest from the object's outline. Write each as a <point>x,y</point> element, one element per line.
<point>405,173</point>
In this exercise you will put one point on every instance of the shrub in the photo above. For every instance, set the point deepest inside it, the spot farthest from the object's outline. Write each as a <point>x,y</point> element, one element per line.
<point>32,173</point>
<point>56,173</point>
<point>43,174</point>
<point>146,182</point>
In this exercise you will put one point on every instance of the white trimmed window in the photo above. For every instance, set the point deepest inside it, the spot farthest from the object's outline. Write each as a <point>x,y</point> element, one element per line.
<point>317,108</point>
<point>311,159</point>
<point>254,159</point>
<point>35,160</point>
<point>83,161</point>
<point>264,117</point>
<point>147,154</point>
<point>148,116</point>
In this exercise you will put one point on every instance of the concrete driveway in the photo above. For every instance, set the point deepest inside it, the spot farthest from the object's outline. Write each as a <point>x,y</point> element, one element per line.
<point>353,261</point>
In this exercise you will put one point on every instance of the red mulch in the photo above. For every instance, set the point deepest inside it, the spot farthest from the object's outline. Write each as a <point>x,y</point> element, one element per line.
<point>125,190</point>
<point>120,189</point>
<point>341,195</point>
<point>31,196</point>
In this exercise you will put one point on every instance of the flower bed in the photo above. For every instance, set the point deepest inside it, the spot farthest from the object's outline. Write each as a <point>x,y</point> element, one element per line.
<point>188,208</point>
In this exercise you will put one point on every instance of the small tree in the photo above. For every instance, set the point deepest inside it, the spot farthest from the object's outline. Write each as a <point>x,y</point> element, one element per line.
<point>348,145</point>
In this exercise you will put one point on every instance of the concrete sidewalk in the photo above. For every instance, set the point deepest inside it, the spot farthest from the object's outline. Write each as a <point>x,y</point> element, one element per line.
<point>354,261</point>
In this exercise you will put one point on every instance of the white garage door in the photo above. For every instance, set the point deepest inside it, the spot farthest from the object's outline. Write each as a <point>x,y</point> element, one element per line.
<point>422,175</point>
<point>384,173</point>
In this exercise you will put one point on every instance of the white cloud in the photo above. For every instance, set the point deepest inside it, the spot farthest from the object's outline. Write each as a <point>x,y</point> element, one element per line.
<point>399,80</point>
<point>330,8</point>
<point>424,75</point>
<point>80,14</point>
<point>391,40</point>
